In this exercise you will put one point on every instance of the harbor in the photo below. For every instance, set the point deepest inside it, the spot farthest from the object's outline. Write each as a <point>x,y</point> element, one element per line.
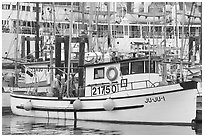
<point>17,125</point>
<point>69,65</point>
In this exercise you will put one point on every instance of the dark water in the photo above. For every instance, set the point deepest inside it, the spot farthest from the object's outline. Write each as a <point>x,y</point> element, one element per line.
<point>18,125</point>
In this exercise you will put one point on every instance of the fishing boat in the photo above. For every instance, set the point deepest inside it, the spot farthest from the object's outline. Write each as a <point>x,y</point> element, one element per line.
<point>122,91</point>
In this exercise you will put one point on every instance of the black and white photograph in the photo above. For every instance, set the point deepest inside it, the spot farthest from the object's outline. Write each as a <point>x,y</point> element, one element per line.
<point>101,67</point>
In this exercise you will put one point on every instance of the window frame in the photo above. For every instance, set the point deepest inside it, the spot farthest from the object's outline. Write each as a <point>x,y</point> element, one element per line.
<point>103,73</point>
<point>152,67</point>
<point>137,72</point>
<point>125,66</point>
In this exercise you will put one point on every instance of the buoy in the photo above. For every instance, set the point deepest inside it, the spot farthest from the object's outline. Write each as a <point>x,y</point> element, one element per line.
<point>77,104</point>
<point>28,106</point>
<point>108,104</point>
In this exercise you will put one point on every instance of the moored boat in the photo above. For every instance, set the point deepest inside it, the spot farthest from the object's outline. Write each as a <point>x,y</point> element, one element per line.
<point>124,91</point>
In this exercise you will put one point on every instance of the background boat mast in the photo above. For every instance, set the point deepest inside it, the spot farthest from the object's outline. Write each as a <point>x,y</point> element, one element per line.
<point>164,74</point>
<point>82,40</point>
<point>69,54</point>
<point>182,43</point>
<point>16,49</point>
<point>201,34</point>
<point>37,32</point>
<point>51,46</point>
<point>177,30</point>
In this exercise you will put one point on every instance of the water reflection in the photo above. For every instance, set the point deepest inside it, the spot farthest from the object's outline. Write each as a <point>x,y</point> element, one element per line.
<point>18,125</point>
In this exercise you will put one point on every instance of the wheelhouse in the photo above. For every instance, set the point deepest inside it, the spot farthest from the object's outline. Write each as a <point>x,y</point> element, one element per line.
<point>124,74</point>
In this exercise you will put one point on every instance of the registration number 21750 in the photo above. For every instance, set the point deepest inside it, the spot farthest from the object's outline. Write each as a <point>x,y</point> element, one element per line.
<point>103,90</point>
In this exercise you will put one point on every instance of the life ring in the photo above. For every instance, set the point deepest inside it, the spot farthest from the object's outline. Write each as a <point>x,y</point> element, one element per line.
<point>111,78</point>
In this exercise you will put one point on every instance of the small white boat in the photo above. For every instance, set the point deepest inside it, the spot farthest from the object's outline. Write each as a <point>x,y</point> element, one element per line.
<point>123,91</point>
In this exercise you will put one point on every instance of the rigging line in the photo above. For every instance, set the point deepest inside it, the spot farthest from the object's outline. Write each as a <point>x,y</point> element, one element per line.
<point>10,12</point>
<point>26,17</point>
<point>12,40</point>
<point>185,56</point>
<point>45,21</point>
<point>10,46</point>
<point>24,20</point>
<point>28,55</point>
<point>192,12</point>
<point>96,26</point>
<point>78,21</point>
<point>20,27</point>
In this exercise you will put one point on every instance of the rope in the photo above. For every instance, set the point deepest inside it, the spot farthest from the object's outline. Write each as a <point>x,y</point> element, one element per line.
<point>192,8</point>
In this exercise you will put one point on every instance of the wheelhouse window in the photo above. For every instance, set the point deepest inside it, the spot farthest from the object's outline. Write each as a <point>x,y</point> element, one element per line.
<point>150,66</point>
<point>137,67</point>
<point>99,73</point>
<point>124,67</point>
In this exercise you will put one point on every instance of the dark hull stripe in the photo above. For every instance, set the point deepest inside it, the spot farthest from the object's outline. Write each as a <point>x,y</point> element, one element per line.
<point>141,122</point>
<point>94,99</point>
<point>81,110</point>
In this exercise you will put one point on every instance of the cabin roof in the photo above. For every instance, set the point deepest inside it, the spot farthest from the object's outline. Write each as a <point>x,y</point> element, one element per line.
<point>155,58</point>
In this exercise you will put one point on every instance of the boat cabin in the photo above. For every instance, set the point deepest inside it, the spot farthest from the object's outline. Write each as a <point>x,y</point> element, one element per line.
<point>111,77</point>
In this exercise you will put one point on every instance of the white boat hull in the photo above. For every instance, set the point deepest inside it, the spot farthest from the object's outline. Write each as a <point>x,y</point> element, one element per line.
<point>166,104</point>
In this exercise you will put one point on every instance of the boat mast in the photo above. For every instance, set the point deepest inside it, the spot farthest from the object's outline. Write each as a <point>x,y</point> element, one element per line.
<point>51,51</point>
<point>90,34</point>
<point>16,49</point>
<point>108,18</point>
<point>37,32</point>
<point>96,26</point>
<point>182,43</point>
<point>201,35</point>
<point>177,30</point>
<point>164,75</point>
<point>81,57</point>
<point>69,53</point>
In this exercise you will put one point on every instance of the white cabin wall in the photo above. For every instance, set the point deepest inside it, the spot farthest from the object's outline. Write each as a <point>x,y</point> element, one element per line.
<point>90,75</point>
<point>130,78</point>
